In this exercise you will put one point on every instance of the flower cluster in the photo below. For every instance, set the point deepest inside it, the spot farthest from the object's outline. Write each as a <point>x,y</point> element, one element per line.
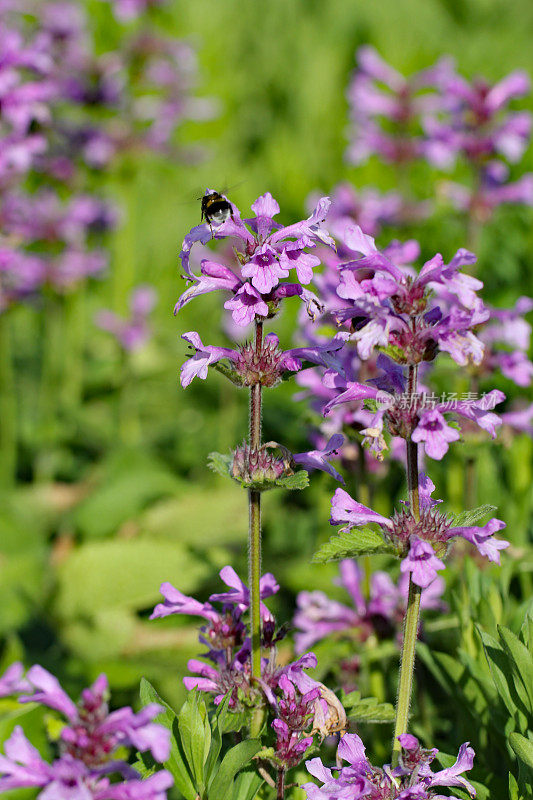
<point>387,110</point>
<point>412,779</point>
<point>90,744</point>
<point>421,543</point>
<point>265,253</point>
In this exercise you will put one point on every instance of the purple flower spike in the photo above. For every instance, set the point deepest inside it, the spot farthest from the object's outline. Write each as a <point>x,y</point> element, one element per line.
<point>422,563</point>
<point>268,252</point>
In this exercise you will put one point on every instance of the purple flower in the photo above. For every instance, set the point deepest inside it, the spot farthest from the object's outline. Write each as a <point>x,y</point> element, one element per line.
<point>421,562</point>
<point>204,356</point>
<point>246,304</point>
<point>239,595</point>
<point>317,459</point>
<point>412,780</point>
<point>418,542</point>
<point>131,333</point>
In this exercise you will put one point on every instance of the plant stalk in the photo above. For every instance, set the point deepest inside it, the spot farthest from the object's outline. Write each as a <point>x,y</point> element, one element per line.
<point>280,783</point>
<point>254,503</point>
<point>407,658</point>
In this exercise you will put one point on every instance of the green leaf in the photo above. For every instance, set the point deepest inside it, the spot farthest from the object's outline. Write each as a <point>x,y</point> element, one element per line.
<point>176,763</point>
<point>523,748</point>
<point>351,544</point>
<point>300,480</point>
<point>234,760</point>
<point>123,574</point>
<point>368,709</point>
<point>220,463</point>
<point>513,788</point>
<point>126,488</point>
<point>522,664</point>
<point>246,785</point>
<point>195,732</point>
<point>466,518</point>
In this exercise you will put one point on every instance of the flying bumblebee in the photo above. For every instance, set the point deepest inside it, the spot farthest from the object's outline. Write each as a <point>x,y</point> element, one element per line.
<point>216,208</point>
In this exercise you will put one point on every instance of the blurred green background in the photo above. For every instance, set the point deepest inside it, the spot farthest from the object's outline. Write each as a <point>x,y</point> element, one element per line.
<point>113,495</point>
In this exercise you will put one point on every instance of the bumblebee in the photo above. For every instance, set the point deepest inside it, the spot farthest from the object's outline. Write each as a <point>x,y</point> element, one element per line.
<point>216,208</point>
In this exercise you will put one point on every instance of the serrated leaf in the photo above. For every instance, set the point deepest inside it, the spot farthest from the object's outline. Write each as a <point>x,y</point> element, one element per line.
<point>176,763</point>
<point>220,463</point>
<point>234,760</point>
<point>352,544</point>
<point>379,713</point>
<point>300,480</point>
<point>467,518</point>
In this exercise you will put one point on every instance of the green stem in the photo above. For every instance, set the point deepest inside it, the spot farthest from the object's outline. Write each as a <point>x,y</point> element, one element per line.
<point>50,382</point>
<point>254,501</point>
<point>407,659</point>
<point>8,406</point>
<point>75,322</point>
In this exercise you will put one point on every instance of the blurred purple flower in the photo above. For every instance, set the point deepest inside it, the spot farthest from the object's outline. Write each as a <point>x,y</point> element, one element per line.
<point>378,94</point>
<point>68,777</point>
<point>318,616</point>
<point>134,332</point>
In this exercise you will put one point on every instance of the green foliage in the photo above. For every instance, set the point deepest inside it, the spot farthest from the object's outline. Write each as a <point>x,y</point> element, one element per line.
<point>491,682</point>
<point>466,518</point>
<point>353,544</point>
<point>368,709</point>
<point>196,763</point>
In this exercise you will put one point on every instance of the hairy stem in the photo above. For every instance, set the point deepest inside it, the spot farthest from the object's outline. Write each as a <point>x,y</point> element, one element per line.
<point>407,659</point>
<point>254,502</point>
<point>280,783</point>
